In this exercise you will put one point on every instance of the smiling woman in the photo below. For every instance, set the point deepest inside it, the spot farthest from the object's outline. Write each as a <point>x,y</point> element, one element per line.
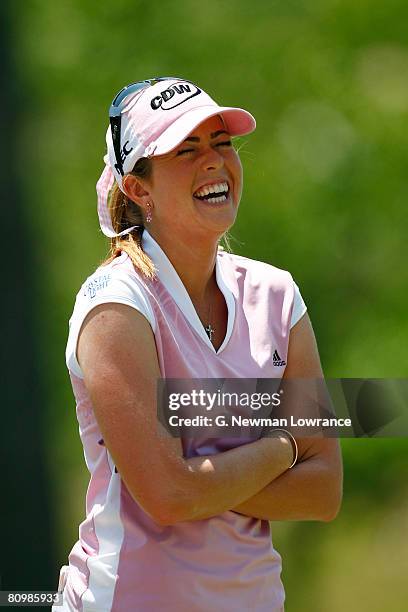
<point>205,161</point>
<point>182,523</point>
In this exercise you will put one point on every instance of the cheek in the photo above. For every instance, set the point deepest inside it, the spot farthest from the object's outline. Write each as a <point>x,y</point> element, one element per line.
<point>169,195</point>
<point>164,186</point>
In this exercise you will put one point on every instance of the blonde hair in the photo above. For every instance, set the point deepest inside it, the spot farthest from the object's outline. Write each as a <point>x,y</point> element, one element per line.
<point>126,213</point>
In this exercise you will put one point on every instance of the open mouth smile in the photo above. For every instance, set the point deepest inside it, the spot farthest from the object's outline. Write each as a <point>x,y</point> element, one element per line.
<point>213,194</point>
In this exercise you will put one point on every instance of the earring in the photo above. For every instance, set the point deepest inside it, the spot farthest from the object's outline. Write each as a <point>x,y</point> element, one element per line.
<point>149,213</point>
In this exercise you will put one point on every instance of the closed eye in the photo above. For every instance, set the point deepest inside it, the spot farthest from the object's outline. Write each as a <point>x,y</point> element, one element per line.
<point>182,151</point>
<point>224,143</point>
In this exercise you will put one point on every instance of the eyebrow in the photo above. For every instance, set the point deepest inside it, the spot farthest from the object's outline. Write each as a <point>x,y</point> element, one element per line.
<point>213,135</point>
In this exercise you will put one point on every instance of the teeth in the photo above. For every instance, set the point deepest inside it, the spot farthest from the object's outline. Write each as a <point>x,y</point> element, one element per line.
<point>215,200</point>
<point>217,188</point>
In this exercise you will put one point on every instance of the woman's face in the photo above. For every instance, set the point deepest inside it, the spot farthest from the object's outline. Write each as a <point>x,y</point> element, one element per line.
<point>183,182</point>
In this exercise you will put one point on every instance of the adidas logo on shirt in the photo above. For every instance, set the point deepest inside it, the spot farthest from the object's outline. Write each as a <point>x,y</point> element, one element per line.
<point>277,361</point>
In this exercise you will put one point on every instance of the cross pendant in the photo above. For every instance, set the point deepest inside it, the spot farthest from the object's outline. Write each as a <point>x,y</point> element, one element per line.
<point>209,331</point>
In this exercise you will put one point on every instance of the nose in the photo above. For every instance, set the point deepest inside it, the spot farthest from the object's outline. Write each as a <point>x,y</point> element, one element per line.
<point>212,159</point>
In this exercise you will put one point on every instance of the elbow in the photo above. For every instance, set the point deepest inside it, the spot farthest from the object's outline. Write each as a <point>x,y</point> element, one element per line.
<point>165,500</point>
<point>178,509</point>
<point>332,503</point>
<point>332,487</point>
<point>171,515</point>
<point>164,520</point>
<point>330,515</point>
<point>166,516</point>
<point>167,510</point>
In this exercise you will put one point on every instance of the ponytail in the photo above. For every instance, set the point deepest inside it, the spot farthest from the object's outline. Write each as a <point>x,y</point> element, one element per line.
<point>126,213</point>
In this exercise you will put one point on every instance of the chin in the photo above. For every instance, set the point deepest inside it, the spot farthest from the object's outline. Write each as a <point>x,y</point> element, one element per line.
<point>219,218</point>
<point>220,223</point>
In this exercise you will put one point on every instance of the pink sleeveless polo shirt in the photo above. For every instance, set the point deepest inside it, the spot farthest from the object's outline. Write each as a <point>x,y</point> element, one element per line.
<point>123,561</point>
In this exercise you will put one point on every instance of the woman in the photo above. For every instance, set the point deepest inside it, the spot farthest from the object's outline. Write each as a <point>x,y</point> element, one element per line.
<point>182,524</point>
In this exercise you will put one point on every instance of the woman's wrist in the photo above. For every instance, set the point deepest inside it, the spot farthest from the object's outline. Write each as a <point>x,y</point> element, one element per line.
<point>283,433</point>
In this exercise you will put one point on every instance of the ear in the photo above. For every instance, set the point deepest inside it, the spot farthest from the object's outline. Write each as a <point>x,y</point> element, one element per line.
<point>136,190</point>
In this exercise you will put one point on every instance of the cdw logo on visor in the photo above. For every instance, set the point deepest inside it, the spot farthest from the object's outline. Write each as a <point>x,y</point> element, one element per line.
<point>174,96</point>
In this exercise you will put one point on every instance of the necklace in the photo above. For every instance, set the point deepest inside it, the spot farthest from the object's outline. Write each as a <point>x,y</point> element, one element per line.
<point>209,329</point>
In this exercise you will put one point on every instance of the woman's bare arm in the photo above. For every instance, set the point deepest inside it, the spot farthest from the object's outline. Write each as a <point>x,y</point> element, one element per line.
<point>312,490</point>
<point>118,357</point>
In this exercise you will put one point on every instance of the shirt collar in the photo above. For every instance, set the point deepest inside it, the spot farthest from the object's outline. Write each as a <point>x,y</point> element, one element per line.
<point>168,276</point>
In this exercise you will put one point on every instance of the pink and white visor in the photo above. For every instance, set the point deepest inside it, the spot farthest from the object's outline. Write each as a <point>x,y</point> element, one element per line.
<point>154,121</point>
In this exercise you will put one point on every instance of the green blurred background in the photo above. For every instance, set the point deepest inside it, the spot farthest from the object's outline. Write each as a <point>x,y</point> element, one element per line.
<point>325,197</point>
